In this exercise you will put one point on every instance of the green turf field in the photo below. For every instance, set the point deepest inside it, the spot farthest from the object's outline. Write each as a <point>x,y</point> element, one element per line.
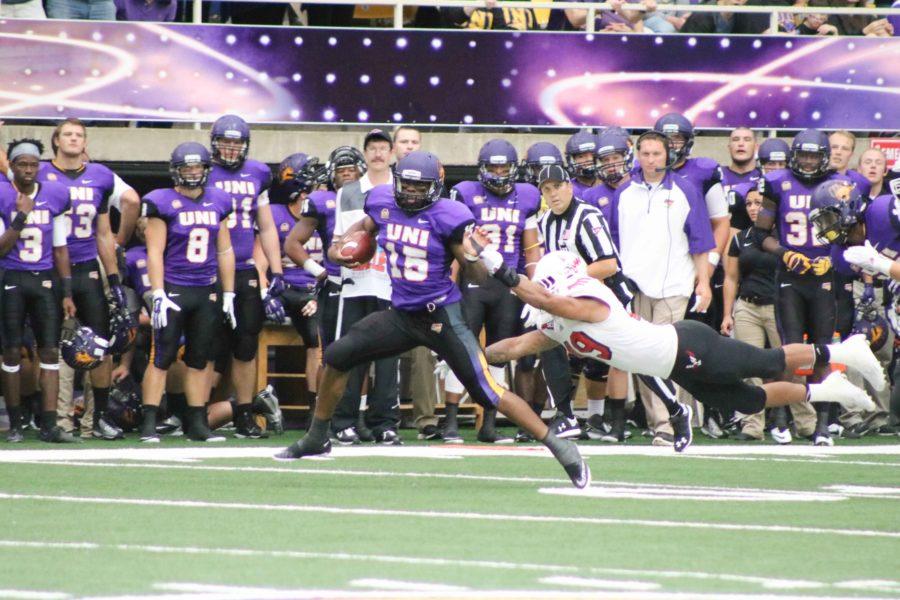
<point>185,521</point>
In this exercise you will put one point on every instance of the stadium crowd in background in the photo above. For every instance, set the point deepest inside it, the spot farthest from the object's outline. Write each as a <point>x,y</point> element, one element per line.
<point>171,291</point>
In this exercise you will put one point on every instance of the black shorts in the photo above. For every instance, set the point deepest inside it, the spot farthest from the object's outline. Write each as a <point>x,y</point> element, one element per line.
<point>242,341</point>
<point>805,304</point>
<point>91,305</point>
<point>199,321</point>
<point>294,299</point>
<point>32,295</point>
<point>491,305</point>
<point>391,332</point>
<point>593,370</point>
<point>712,368</point>
<point>844,305</point>
<point>329,300</point>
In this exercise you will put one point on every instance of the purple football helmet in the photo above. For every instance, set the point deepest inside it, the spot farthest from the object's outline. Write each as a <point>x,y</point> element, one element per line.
<point>418,180</point>
<point>498,152</point>
<point>186,154</point>
<point>80,347</point>
<point>612,142</point>
<point>810,154</point>
<point>232,128</point>
<point>579,143</point>
<point>835,207</point>
<point>300,174</point>
<point>538,156</point>
<point>674,124</point>
<point>773,150</point>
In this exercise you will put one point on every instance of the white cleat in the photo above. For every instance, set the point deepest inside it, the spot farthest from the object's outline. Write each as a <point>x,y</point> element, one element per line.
<point>859,357</point>
<point>837,388</point>
<point>782,436</point>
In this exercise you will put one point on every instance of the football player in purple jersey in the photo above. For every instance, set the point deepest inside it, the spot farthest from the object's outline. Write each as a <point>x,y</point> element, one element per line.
<point>244,179</point>
<point>742,147</point>
<point>507,211</point>
<point>345,165</point>
<point>581,161</point>
<point>422,235</point>
<point>93,188</point>
<point>298,176</point>
<point>615,159</point>
<point>805,297</point>
<point>771,155</point>
<point>36,274</point>
<point>191,267</point>
<point>537,156</point>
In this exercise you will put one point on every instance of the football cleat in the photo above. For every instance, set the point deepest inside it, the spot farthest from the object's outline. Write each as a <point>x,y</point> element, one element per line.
<point>56,436</point>
<point>451,435</point>
<point>265,403</point>
<point>564,427</point>
<point>15,435</point>
<point>429,433</point>
<point>712,429</point>
<point>248,429</point>
<point>579,473</point>
<point>681,425</point>
<point>171,426</point>
<point>299,449</point>
<point>781,435</point>
<point>347,437</point>
<point>837,388</point>
<point>598,429</point>
<point>523,437</point>
<point>858,356</point>
<point>388,437</point>
<point>492,436</point>
<point>365,434</point>
<point>203,434</point>
<point>822,438</point>
<point>104,429</point>
<point>836,429</point>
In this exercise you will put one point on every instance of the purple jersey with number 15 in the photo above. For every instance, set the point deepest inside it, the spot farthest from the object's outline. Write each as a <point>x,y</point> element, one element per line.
<point>192,227</point>
<point>244,185</point>
<point>34,248</point>
<point>418,248</point>
<point>89,192</point>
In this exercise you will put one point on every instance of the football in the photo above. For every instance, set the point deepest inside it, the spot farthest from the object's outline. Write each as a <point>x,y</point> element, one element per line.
<point>358,247</point>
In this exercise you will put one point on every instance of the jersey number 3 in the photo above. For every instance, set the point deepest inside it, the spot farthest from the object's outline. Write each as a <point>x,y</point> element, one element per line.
<point>581,343</point>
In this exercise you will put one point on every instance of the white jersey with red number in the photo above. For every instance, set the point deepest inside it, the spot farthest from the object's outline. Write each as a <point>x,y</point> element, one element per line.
<point>622,340</point>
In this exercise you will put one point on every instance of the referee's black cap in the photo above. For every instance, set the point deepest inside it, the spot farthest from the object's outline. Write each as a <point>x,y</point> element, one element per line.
<point>552,173</point>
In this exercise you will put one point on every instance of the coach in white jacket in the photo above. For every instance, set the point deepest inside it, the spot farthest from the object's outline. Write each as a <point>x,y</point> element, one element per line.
<point>661,226</point>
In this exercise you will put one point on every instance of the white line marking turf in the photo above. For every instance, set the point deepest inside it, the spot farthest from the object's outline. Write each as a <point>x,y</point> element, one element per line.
<point>395,584</point>
<point>456,516</point>
<point>700,494</point>
<point>292,555</point>
<point>32,595</point>
<point>604,584</point>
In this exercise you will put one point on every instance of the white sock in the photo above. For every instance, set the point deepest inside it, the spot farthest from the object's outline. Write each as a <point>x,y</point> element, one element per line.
<point>816,393</point>
<point>595,407</point>
<point>499,374</point>
<point>838,353</point>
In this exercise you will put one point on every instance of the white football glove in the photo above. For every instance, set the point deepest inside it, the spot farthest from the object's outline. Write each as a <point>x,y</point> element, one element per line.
<point>534,317</point>
<point>228,309</point>
<point>492,259</point>
<point>441,369</point>
<point>161,306</point>
<point>868,259</point>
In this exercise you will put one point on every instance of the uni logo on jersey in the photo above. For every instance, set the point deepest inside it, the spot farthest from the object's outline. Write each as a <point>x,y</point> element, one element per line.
<point>508,215</point>
<point>408,235</point>
<point>81,193</point>
<point>38,217</point>
<point>198,217</point>
<point>238,187</point>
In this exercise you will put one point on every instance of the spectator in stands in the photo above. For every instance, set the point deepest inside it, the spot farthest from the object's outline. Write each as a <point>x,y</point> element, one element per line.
<point>617,20</point>
<point>873,166</point>
<point>724,22</point>
<point>21,9</point>
<point>492,16</point>
<point>95,10</point>
<point>816,24</point>
<point>146,10</point>
<point>660,222</point>
<point>860,24</point>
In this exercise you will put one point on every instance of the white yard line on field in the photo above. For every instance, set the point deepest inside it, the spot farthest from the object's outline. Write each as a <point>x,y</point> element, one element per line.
<point>399,585</point>
<point>441,451</point>
<point>538,568</point>
<point>456,516</point>
<point>32,595</point>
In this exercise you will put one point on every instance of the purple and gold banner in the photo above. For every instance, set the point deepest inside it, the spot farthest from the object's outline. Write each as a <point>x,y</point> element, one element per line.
<point>296,75</point>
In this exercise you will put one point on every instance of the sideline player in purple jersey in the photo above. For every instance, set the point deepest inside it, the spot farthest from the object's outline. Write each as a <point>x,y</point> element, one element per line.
<point>772,155</point>
<point>92,188</point>
<point>581,161</point>
<point>422,235</point>
<point>244,180</point>
<point>345,165</point>
<point>615,159</point>
<point>742,148</point>
<point>190,261</point>
<point>507,211</point>
<point>843,144</point>
<point>537,156</point>
<point>33,243</point>
<point>298,175</point>
<point>805,297</point>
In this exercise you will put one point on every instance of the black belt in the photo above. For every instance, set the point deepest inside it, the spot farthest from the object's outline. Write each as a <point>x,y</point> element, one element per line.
<point>757,300</point>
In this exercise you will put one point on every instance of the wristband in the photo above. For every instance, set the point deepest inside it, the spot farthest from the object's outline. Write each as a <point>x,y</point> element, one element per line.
<point>507,276</point>
<point>67,287</point>
<point>471,257</point>
<point>714,258</point>
<point>113,279</point>
<point>18,224</point>
<point>313,268</point>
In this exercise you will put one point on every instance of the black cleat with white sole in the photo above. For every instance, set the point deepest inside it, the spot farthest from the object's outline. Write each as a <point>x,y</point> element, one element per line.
<point>681,428</point>
<point>579,473</point>
<point>301,448</point>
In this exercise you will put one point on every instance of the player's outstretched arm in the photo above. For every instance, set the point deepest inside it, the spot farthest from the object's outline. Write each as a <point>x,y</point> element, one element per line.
<point>517,347</point>
<point>579,309</point>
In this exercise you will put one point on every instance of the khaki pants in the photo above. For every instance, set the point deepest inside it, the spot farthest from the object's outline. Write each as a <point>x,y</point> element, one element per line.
<point>756,324</point>
<point>417,382</point>
<point>658,310</point>
<point>65,404</point>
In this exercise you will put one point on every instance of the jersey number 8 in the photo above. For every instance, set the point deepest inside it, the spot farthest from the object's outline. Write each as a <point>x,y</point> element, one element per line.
<point>198,245</point>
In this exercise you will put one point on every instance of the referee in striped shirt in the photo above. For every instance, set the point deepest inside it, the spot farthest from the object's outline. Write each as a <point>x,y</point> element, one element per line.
<point>575,226</point>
